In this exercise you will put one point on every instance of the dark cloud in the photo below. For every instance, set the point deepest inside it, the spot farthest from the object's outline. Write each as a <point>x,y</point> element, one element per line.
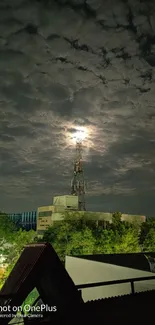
<point>74,63</point>
<point>6,138</point>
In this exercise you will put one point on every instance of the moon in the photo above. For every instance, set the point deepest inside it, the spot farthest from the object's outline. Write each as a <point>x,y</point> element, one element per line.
<point>80,134</point>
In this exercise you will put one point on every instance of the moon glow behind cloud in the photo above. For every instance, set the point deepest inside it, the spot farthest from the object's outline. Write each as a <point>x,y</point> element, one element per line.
<point>77,63</point>
<point>80,134</point>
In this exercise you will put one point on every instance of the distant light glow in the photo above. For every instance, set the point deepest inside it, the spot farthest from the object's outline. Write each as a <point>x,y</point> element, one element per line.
<point>80,134</point>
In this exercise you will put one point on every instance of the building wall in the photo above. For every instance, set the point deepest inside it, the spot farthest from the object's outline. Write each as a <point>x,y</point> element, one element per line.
<point>26,220</point>
<point>44,217</point>
<point>133,218</point>
<point>58,213</point>
<point>67,201</point>
<point>85,271</point>
<point>40,222</point>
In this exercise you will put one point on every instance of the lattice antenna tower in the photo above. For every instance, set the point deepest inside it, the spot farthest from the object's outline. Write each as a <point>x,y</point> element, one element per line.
<point>78,182</point>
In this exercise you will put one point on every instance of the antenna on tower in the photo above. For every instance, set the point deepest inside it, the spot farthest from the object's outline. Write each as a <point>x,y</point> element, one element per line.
<point>78,183</point>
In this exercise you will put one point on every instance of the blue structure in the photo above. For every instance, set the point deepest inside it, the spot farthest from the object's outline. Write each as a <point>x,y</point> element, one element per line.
<point>25,220</point>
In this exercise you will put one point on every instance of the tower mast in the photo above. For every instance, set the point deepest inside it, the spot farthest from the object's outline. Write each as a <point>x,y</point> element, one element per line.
<point>78,183</point>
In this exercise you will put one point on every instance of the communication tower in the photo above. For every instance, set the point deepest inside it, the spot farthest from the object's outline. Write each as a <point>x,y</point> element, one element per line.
<point>78,183</point>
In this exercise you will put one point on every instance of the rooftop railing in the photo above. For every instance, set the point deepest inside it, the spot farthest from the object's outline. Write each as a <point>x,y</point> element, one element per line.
<point>106,283</point>
<point>7,297</point>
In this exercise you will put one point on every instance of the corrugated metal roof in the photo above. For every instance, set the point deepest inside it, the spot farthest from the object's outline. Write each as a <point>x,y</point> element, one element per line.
<point>136,295</point>
<point>40,266</point>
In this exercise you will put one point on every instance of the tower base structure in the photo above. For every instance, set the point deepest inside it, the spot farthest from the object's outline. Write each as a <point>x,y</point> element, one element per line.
<point>68,202</point>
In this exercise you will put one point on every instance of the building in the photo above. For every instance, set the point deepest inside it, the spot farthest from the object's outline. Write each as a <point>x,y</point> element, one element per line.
<point>47,215</point>
<point>25,220</point>
<point>66,202</point>
<point>44,218</point>
<point>56,215</point>
<point>110,267</point>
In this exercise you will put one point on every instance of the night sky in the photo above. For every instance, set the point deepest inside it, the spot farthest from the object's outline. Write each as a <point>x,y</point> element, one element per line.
<point>72,63</point>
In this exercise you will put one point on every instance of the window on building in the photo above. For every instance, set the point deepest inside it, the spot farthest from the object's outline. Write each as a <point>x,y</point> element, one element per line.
<point>45,213</point>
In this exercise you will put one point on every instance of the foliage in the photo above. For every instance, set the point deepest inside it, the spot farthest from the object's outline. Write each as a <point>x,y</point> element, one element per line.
<point>81,243</point>
<point>12,242</point>
<point>104,241</point>
<point>81,236</point>
<point>119,237</point>
<point>149,241</point>
<point>128,241</point>
<point>116,218</point>
<point>145,229</point>
<point>19,240</point>
<point>77,235</point>
<point>30,299</point>
<point>71,236</point>
<point>7,228</point>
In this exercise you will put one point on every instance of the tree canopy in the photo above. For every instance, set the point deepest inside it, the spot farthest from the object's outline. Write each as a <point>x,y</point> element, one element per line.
<point>7,228</point>
<point>12,242</point>
<point>81,236</point>
<point>149,241</point>
<point>78,236</point>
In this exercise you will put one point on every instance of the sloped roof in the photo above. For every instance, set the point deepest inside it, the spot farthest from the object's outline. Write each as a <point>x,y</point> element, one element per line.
<point>39,267</point>
<point>137,261</point>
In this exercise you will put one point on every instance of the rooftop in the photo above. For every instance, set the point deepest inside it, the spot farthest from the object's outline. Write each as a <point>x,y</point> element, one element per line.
<point>139,261</point>
<point>39,267</point>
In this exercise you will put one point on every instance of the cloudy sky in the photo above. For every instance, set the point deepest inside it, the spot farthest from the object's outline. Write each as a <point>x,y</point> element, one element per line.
<point>65,63</point>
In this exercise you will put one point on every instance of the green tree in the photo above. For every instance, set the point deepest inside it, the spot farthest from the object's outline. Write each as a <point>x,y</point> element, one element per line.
<point>7,228</point>
<point>120,237</point>
<point>127,241</point>
<point>145,229</point>
<point>116,218</point>
<point>149,241</point>
<point>73,235</point>
<point>104,241</point>
<point>84,236</point>
<point>8,232</point>
<point>81,243</point>
<point>21,239</point>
